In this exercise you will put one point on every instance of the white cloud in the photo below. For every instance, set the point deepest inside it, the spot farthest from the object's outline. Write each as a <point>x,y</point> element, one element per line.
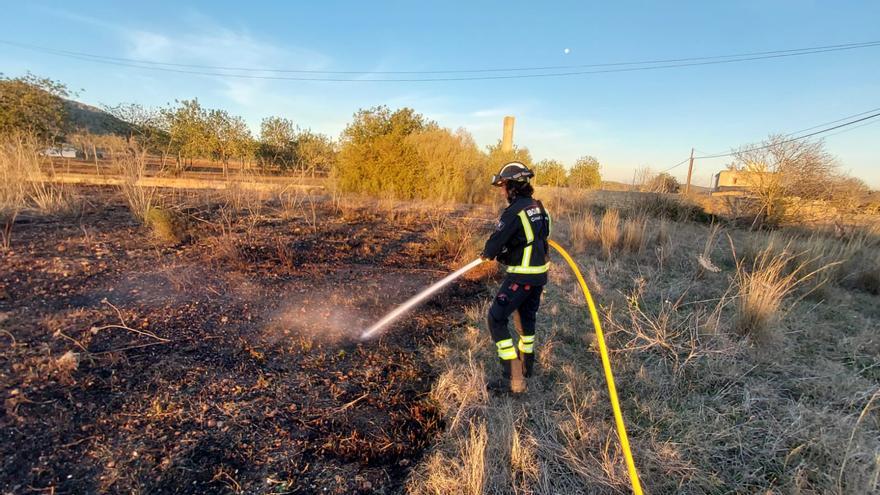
<point>211,46</point>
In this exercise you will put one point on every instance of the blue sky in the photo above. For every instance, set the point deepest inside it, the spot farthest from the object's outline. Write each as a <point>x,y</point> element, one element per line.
<point>627,120</point>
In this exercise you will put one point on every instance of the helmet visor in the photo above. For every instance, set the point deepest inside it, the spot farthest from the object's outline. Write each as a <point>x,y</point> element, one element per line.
<point>497,180</point>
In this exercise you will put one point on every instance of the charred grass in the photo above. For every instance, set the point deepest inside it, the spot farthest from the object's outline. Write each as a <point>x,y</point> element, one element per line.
<point>225,362</point>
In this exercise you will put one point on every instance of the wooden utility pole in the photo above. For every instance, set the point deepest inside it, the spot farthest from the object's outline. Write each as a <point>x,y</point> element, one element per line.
<point>507,138</point>
<point>687,188</point>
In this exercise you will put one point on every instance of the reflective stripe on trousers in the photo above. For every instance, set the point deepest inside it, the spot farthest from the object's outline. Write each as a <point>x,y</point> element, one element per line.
<point>506,351</point>
<point>526,344</point>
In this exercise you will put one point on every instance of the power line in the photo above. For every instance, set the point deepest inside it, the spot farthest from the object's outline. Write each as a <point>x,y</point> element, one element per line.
<point>847,124</point>
<point>834,121</point>
<point>710,155</point>
<point>865,124</point>
<point>786,52</point>
<point>140,65</point>
<point>676,165</point>
<point>822,131</point>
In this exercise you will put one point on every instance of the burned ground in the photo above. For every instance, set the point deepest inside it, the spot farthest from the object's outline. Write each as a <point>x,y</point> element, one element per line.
<point>228,363</point>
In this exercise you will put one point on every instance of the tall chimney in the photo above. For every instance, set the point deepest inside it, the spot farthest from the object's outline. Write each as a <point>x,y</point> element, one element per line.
<point>507,139</point>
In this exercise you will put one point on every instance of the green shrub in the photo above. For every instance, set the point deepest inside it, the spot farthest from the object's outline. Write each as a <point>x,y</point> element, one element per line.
<point>585,173</point>
<point>375,158</point>
<point>550,173</point>
<point>401,155</point>
<point>165,225</point>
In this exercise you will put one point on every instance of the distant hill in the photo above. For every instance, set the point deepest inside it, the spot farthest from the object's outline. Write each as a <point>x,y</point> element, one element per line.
<point>94,120</point>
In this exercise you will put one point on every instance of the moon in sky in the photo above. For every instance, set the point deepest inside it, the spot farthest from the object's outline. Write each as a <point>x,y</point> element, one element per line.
<point>566,51</point>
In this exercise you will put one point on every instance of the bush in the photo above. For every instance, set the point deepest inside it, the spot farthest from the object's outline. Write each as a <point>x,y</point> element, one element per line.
<point>400,155</point>
<point>453,166</point>
<point>165,225</point>
<point>585,173</point>
<point>663,183</point>
<point>375,158</point>
<point>550,173</point>
<point>667,206</point>
<point>33,105</point>
<point>497,158</point>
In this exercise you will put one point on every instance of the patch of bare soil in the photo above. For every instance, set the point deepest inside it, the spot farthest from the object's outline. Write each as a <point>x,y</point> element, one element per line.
<point>228,364</point>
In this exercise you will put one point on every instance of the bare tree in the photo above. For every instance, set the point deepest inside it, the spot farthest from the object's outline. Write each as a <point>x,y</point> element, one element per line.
<point>641,176</point>
<point>786,174</point>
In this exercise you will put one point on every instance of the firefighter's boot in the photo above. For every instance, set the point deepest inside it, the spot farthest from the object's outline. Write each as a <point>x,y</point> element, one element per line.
<point>511,380</point>
<point>528,364</point>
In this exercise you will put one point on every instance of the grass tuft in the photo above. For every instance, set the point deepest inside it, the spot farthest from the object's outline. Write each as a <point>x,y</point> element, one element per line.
<point>166,226</point>
<point>609,232</point>
<point>583,231</point>
<point>634,234</point>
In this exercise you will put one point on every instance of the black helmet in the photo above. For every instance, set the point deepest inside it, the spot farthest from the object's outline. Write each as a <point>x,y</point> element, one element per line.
<point>513,171</point>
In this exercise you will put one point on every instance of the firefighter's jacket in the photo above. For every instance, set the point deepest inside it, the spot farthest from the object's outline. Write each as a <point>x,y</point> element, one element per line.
<point>520,241</point>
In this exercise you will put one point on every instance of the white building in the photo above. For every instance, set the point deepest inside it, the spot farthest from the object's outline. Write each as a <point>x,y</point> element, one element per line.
<point>63,151</point>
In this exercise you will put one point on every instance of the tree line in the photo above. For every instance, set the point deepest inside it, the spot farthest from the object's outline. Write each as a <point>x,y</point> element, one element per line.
<point>178,133</point>
<point>397,153</point>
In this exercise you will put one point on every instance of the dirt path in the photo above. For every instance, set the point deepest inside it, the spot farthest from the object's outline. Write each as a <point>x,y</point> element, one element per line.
<point>232,368</point>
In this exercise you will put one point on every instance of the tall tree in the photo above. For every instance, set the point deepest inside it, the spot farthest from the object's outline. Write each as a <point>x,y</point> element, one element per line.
<point>146,125</point>
<point>277,136</point>
<point>34,105</point>
<point>314,153</point>
<point>228,138</point>
<point>189,132</point>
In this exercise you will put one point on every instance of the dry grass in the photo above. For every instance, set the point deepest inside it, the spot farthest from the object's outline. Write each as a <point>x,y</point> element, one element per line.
<point>635,234</point>
<point>583,231</point>
<point>707,410</point>
<point>851,260</point>
<point>762,288</point>
<point>609,232</point>
<point>452,241</point>
<point>296,204</point>
<point>25,186</point>
<point>133,168</point>
<point>463,474</point>
<point>65,366</point>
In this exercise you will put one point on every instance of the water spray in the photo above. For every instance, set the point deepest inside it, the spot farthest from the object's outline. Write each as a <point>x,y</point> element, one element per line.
<point>415,300</point>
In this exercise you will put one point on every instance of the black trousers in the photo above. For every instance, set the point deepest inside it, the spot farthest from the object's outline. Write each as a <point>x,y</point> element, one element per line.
<point>522,302</point>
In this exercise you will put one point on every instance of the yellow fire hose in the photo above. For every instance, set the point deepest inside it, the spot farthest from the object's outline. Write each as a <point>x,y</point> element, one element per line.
<point>609,377</point>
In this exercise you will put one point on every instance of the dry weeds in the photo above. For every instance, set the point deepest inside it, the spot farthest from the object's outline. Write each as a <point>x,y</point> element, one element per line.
<point>24,185</point>
<point>133,168</point>
<point>609,232</point>
<point>634,234</point>
<point>583,231</point>
<point>708,411</point>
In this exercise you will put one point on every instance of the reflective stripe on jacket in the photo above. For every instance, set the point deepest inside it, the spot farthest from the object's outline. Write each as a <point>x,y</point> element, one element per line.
<point>520,241</point>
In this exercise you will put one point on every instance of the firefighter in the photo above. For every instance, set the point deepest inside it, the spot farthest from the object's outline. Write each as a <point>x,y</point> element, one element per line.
<point>520,242</point>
